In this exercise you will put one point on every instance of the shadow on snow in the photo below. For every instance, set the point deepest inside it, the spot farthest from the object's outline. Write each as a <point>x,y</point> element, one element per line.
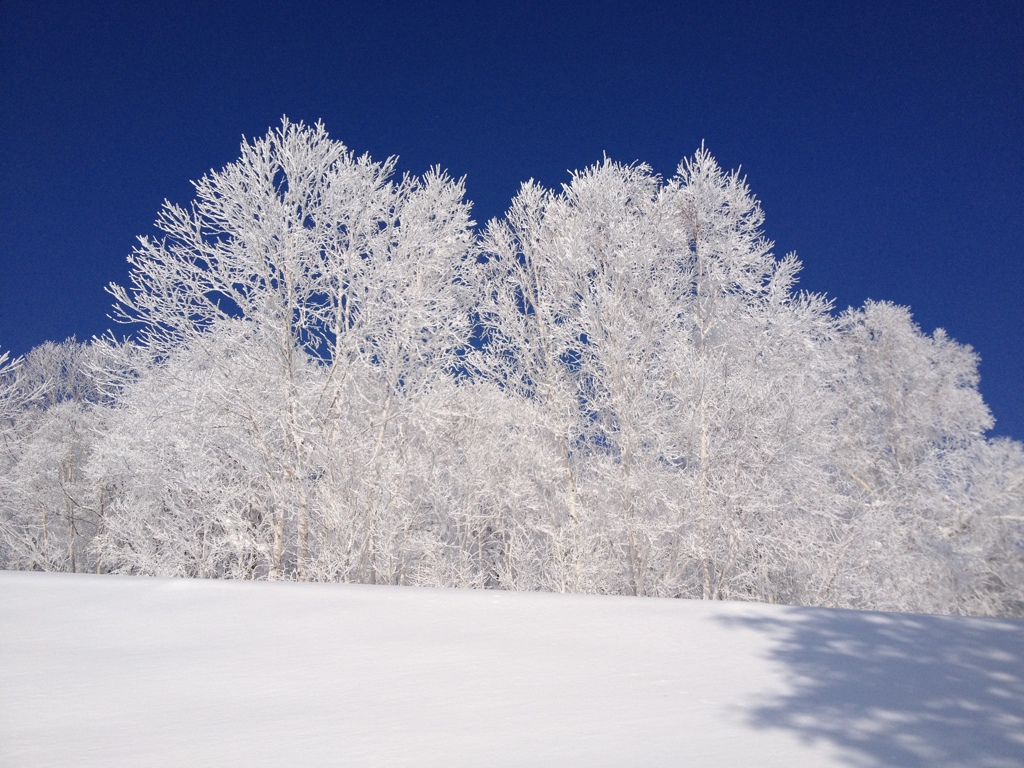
<point>899,689</point>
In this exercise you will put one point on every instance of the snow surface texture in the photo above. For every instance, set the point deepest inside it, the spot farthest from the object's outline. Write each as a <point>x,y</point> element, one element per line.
<point>123,671</point>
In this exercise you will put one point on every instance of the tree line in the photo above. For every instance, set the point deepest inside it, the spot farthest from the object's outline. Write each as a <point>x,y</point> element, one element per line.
<point>615,388</point>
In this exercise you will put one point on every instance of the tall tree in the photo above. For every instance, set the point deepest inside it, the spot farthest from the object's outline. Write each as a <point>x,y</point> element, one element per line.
<point>910,435</point>
<point>747,378</point>
<point>677,368</point>
<point>300,254</point>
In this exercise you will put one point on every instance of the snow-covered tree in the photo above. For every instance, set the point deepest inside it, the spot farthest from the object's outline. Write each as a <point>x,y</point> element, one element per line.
<point>988,530</point>
<point>910,460</point>
<point>678,373</point>
<point>55,412</point>
<point>297,267</point>
<point>749,368</point>
<point>556,261</point>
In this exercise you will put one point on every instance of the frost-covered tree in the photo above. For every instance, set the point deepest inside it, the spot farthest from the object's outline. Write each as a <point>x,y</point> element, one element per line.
<point>297,268</point>
<point>11,403</point>
<point>554,260</point>
<point>678,373</point>
<point>911,461</point>
<point>55,411</point>
<point>988,529</point>
<point>749,367</point>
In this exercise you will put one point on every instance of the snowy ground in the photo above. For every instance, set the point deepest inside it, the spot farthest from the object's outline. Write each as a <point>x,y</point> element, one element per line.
<point>117,671</point>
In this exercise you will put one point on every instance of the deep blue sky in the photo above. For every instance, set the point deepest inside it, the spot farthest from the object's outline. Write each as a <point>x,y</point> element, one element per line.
<point>885,143</point>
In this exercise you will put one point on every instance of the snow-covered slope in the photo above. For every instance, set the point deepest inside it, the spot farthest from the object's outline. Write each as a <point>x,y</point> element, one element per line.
<point>118,671</point>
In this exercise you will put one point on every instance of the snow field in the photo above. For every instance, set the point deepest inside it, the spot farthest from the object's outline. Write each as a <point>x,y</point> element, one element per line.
<point>124,671</point>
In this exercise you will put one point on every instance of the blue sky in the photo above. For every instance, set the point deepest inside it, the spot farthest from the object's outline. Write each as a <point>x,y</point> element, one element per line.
<point>886,144</point>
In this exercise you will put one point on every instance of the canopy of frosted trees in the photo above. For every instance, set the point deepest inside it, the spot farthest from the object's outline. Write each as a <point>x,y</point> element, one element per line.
<point>616,388</point>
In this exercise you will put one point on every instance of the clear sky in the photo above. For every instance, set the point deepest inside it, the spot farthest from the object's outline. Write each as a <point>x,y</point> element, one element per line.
<point>885,141</point>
